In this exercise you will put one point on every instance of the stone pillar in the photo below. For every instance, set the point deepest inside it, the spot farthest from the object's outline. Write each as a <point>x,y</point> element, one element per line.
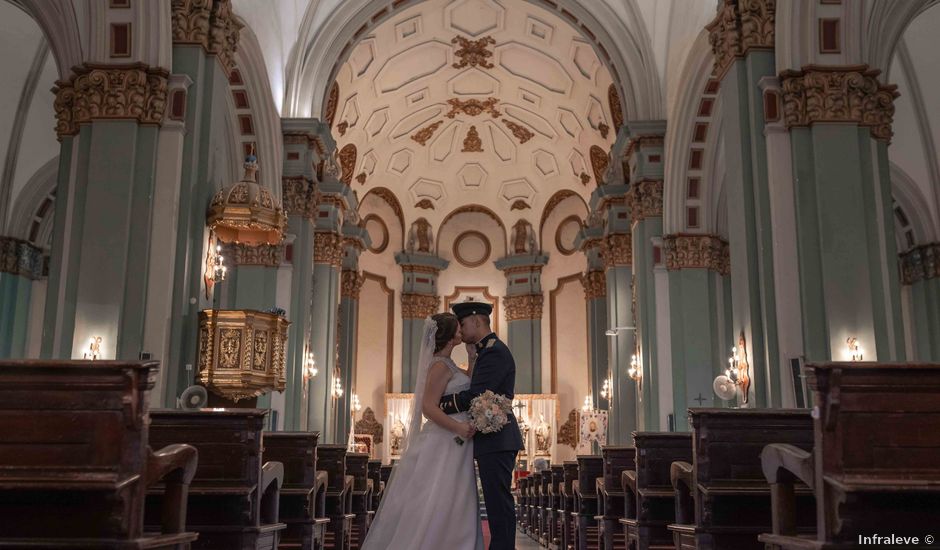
<point>355,241</point>
<point>742,38</point>
<point>21,264</point>
<point>920,272</point>
<point>696,265</point>
<point>840,124</point>
<point>419,299</point>
<point>523,303</point>
<point>594,282</point>
<point>644,157</point>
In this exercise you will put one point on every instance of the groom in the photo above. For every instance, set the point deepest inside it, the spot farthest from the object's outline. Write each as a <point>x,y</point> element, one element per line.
<point>493,369</point>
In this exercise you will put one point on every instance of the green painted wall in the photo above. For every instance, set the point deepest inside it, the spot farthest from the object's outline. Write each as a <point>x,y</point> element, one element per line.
<point>525,341</point>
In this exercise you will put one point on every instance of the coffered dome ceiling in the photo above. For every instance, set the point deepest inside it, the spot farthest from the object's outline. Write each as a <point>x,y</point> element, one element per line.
<point>456,102</point>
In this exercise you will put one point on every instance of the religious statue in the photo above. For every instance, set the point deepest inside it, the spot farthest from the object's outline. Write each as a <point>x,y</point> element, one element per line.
<point>420,238</point>
<point>523,238</point>
<point>398,437</point>
<point>543,437</point>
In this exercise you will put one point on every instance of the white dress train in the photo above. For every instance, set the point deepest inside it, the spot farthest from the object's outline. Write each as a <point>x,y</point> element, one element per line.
<point>431,502</point>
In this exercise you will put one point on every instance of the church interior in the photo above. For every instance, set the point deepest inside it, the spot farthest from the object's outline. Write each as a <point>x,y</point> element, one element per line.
<point>709,232</point>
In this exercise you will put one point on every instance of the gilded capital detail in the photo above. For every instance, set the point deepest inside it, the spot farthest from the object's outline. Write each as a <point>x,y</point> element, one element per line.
<point>268,255</point>
<point>617,250</point>
<point>739,26</point>
<point>19,257</point>
<point>645,199</point>
<point>299,196</point>
<point>210,24</point>
<point>697,252</point>
<point>838,94</point>
<point>137,92</point>
<point>595,285</point>
<point>352,284</point>
<point>418,306</point>
<point>920,264</point>
<point>524,307</point>
<point>328,248</point>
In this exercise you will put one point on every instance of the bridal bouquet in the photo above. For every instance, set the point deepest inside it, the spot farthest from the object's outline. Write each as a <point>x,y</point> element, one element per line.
<point>489,412</point>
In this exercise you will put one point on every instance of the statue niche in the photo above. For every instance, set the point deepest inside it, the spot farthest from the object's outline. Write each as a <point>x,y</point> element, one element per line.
<point>420,238</point>
<point>523,239</point>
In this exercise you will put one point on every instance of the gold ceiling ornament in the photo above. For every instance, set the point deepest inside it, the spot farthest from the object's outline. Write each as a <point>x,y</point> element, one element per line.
<point>616,110</point>
<point>347,162</point>
<point>424,134</point>
<point>19,257</point>
<point>595,284</point>
<point>328,248</point>
<point>839,94</point>
<point>473,107</point>
<point>600,160</point>
<point>688,251</point>
<point>95,92</point>
<point>268,255</point>
<point>920,264</point>
<point>603,129</point>
<point>419,306</point>
<point>245,212</point>
<point>523,307</point>
<point>585,179</point>
<point>520,205</point>
<point>210,24</point>
<point>568,433</point>
<point>415,268</point>
<point>645,199</point>
<point>361,178</point>
<point>472,143</point>
<point>739,26</point>
<point>331,103</point>
<point>351,284</point>
<point>369,426</point>
<point>473,53</point>
<point>617,250</point>
<point>241,353</point>
<point>425,204</point>
<point>299,196</point>
<point>522,133</point>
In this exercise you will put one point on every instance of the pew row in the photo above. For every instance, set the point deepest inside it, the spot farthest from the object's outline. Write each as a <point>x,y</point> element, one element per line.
<point>303,493</point>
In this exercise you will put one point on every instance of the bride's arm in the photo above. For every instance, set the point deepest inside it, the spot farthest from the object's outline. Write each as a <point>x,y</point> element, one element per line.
<point>438,377</point>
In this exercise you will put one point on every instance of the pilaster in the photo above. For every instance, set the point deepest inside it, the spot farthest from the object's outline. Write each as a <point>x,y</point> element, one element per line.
<point>355,240</point>
<point>594,281</point>
<point>21,264</point>
<point>523,305</point>
<point>419,299</point>
<point>920,273</point>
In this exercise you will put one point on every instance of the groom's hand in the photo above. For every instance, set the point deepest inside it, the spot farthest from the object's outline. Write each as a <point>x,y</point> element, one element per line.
<point>466,431</point>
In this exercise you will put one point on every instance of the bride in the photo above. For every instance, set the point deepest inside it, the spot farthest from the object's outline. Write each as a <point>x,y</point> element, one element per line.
<point>431,500</point>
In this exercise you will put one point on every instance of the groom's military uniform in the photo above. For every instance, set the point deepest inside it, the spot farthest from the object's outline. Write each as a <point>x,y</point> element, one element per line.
<point>495,453</point>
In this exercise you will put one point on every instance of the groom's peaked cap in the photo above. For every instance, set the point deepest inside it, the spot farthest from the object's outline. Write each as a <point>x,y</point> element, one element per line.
<point>466,309</point>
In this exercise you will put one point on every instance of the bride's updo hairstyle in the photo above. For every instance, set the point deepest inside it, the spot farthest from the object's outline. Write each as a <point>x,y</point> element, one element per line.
<point>446,329</point>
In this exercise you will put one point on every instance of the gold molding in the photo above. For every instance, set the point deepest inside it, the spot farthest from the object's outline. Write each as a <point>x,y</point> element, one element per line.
<point>522,133</point>
<point>740,26</point>
<point>473,53</point>
<point>645,199</point>
<point>473,107</point>
<point>920,264</point>
<point>267,255</point>
<point>299,196</point>
<point>687,251</point>
<point>838,94</point>
<point>617,250</point>
<point>419,306</point>
<point>424,134</point>
<point>210,24</point>
<point>95,92</point>
<point>523,307</point>
<point>595,284</point>
<point>351,284</point>
<point>472,143</point>
<point>328,248</point>
<point>600,161</point>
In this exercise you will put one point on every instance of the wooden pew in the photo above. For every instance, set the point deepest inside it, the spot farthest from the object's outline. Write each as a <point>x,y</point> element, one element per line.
<point>535,485</point>
<point>567,510</point>
<point>874,467</point>
<point>385,473</point>
<point>610,496</point>
<point>75,462</point>
<point>339,496</point>
<point>357,466</point>
<point>555,516</point>
<point>235,495</point>
<point>375,474</point>
<point>545,506</point>
<point>722,498</point>
<point>590,467</point>
<point>649,498</point>
<point>521,487</point>
<point>303,492</point>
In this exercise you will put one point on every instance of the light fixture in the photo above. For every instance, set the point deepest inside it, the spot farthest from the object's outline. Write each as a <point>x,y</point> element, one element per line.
<point>588,404</point>
<point>356,406</point>
<point>310,366</point>
<point>215,266</point>
<point>218,268</point>
<point>613,331</point>
<point>854,351</point>
<point>605,389</point>
<point>94,349</point>
<point>337,388</point>
<point>735,375</point>
<point>634,372</point>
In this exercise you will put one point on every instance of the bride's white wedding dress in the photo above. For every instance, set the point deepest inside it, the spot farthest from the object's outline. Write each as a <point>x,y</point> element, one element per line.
<point>431,502</point>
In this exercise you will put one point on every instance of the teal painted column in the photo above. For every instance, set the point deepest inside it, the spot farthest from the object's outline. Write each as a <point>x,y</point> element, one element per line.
<point>849,285</point>
<point>748,195</point>
<point>356,239</point>
<point>523,303</point>
<point>644,157</point>
<point>251,282</point>
<point>21,263</point>
<point>303,150</point>
<point>594,282</point>
<point>920,271</point>
<point>695,265</point>
<point>419,299</point>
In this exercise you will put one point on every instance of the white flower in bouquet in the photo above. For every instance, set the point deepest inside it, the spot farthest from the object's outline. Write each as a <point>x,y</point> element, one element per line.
<point>489,412</point>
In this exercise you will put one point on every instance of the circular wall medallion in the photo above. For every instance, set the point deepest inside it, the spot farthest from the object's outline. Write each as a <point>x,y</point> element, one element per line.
<point>472,249</point>
<point>378,233</point>
<point>567,234</point>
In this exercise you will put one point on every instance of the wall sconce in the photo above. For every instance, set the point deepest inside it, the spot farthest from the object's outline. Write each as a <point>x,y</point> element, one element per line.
<point>215,267</point>
<point>634,371</point>
<point>355,406</point>
<point>613,331</point>
<point>854,352</point>
<point>735,375</point>
<point>337,387</point>
<point>588,404</point>
<point>605,389</point>
<point>310,366</point>
<point>94,349</point>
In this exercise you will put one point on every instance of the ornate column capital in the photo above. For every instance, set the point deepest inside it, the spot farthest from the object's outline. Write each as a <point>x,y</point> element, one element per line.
<point>645,200</point>
<point>419,306</point>
<point>136,91</point>
<point>595,285</point>
<point>684,251</point>
<point>268,255</point>
<point>920,264</point>
<point>639,142</point>
<point>19,257</point>
<point>210,24</point>
<point>328,248</point>
<point>617,250</point>
<point>838,94</point>
<point>299,196</point>
<point>740,26</point>
<point>352,284</point>
<point>523,307</point>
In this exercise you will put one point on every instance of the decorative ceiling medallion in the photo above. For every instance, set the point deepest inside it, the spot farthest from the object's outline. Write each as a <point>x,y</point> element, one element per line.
<point>341,128</point>
<point>472,143</point>
<point>585,179</point>
<point>473,53</point>
<point>520,205</point>
<point>473,107</point>
<point>522,133</point>
<point>566,235</point>
<point>472,249</point>
<point>599,162</point>
<point>361,178</point>
<point>378,233</point>
<point>425,204</point>
<point>424,134</point>
<point>603,129</point>
<point>347,162</point>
